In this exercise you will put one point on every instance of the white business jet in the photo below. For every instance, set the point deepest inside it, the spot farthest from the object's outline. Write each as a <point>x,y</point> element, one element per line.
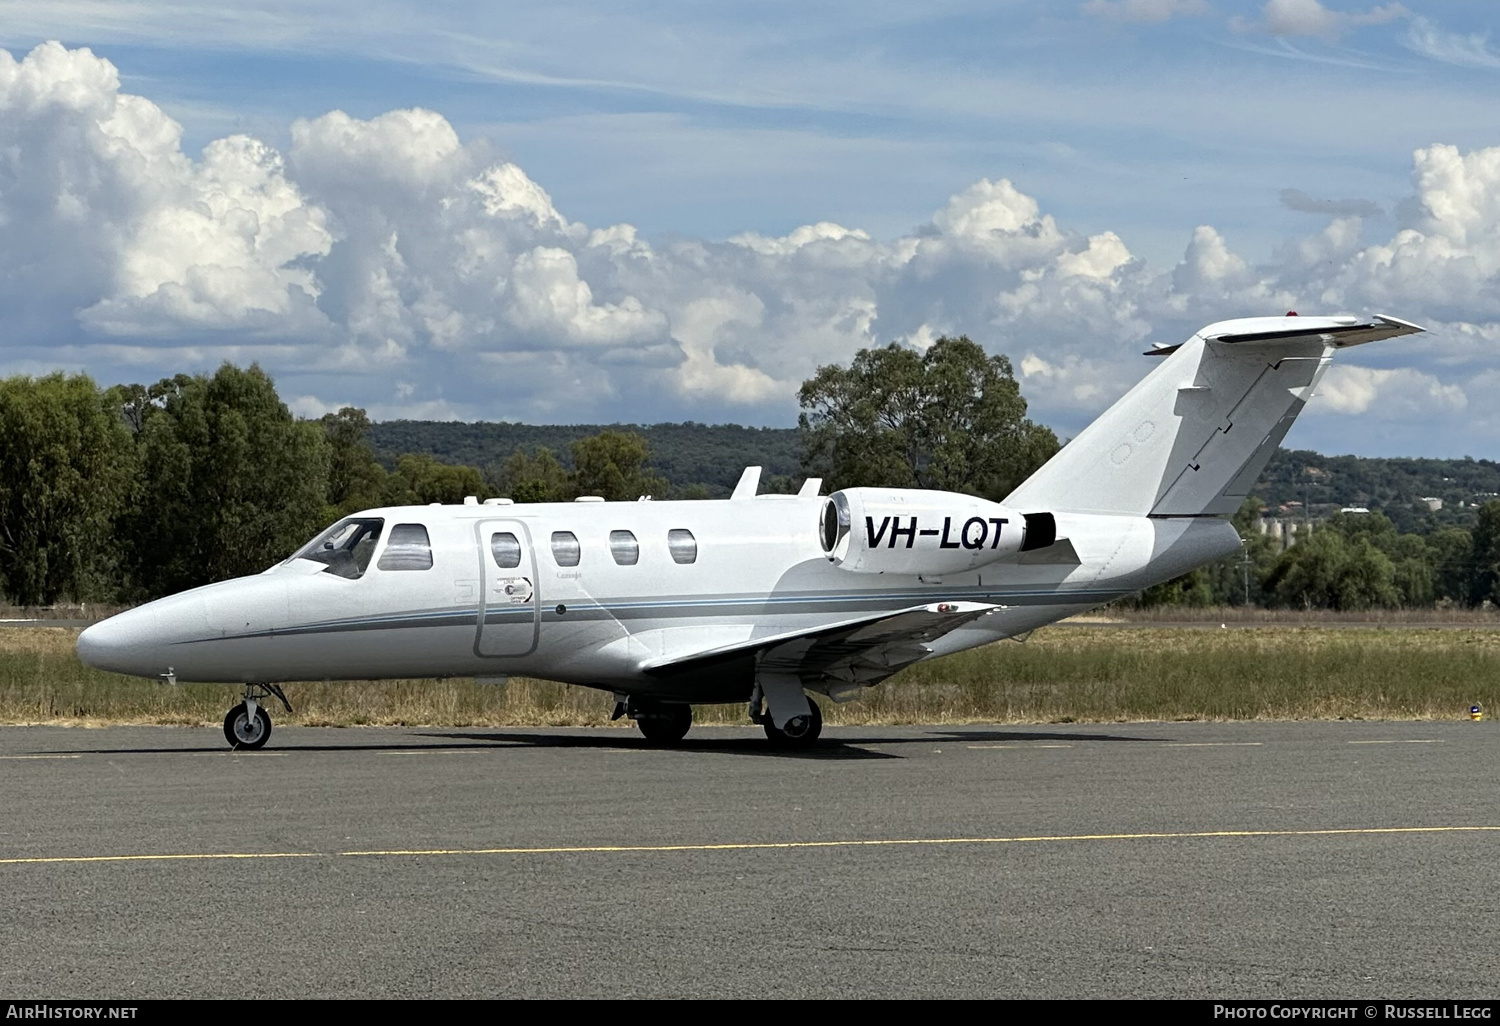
<point>757,598</point>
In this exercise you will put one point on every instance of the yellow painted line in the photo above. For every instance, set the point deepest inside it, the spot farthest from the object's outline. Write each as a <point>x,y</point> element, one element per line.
<point>39,756</point>
<point>921,841</point>
<point>646,849</point>
<point>1401,741</point>
<point>1212,744</point>
<point>976,747</point>
<point>230,751</point>
<point>207,857</point>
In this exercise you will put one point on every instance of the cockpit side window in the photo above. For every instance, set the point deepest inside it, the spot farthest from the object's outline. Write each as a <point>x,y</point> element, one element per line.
<point>345,547</point>
<point>408,549</point>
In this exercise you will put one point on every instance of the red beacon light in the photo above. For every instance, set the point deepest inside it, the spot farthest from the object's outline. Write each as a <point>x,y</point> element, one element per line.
<point>1291,313</point>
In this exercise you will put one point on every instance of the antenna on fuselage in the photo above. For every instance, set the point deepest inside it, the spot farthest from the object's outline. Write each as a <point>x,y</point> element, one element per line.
<point>748,486</point>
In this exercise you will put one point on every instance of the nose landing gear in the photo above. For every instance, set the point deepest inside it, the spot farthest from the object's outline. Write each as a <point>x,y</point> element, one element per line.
<point>244,729</point>
<point>248,725</point>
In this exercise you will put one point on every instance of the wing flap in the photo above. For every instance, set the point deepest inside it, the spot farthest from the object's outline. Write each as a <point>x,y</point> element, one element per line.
<point>879,644</point>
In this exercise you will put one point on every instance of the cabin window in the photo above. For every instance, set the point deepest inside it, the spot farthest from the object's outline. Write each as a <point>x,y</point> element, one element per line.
<point>565,548</point>
<point>682,545</point>
<point>624,547</point>
<point>506,548</point>
<point>408,549</point>
<point>345,547</point>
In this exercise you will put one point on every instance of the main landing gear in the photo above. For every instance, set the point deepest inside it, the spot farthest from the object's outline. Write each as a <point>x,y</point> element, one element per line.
<point>799,732</point>
<point>248,725</point>
<point>663,723</point>
<point>791,719</point>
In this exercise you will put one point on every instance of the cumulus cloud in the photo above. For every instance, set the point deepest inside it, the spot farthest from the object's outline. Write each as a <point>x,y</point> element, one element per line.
<point>1311,18</point>
<point>1401,393</point>
<point>1144,10</point>
<point>103,214</point>
<point>387,263</point>
<point>553,304</point>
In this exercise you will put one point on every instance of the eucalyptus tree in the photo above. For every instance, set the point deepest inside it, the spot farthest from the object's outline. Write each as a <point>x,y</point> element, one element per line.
<point>950,418</point>
<point>66,466</point>
<point>230,482</point>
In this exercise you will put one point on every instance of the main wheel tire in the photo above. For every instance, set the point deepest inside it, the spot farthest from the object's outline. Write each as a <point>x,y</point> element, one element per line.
<point>800,732</point>
<point>244,734</point>
<point>665,724</point>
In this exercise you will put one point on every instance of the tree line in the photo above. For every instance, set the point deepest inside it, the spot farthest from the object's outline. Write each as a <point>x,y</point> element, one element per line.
<point>127,493</point>
<point>131,492</point>
<point>708,458</point>
<point>1349,562</point>
<point>700,459</point>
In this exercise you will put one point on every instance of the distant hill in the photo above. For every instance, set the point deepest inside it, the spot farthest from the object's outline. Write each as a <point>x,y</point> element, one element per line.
<point>1393,486</point>
<point>714,455</point>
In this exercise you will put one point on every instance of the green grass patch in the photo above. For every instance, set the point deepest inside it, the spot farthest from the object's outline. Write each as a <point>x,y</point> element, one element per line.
<point>1060,674</point>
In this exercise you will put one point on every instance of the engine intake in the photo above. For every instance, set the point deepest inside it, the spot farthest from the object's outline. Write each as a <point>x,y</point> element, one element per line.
<point>915,531</point>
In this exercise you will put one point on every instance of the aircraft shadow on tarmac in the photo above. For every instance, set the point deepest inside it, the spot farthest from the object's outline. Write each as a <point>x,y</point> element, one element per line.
<point>828,748</point>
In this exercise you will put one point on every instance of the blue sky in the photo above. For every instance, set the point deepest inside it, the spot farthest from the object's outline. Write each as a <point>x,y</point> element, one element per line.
<point>948,165</point>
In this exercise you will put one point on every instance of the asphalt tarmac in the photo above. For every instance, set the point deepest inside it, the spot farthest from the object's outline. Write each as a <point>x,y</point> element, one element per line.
<point>1203,860</point>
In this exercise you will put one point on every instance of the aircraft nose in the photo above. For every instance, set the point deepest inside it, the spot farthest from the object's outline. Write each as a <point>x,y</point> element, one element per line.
<point>120,644</point>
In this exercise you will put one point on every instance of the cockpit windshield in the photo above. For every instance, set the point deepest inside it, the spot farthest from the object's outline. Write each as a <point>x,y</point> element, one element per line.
<point>346,547</point>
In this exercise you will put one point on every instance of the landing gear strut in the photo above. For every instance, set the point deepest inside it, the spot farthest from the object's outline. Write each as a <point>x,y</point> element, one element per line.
<point>663,723</point>
<point>248,725</point>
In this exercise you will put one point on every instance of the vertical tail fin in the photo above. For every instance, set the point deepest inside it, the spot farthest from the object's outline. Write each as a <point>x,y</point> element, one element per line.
<point>1193,436</point>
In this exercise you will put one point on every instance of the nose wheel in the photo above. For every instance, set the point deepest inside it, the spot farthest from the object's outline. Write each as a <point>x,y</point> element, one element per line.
<point>248,725</point>
<point>246,730</point>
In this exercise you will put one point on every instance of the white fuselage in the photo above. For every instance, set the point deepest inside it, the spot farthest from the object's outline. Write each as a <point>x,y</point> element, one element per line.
<point>756,570</point>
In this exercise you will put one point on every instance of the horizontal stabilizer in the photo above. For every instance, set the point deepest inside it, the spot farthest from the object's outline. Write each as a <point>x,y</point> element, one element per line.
<point>1339,332</point>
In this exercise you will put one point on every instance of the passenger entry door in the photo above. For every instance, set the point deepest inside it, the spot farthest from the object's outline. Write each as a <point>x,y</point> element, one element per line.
<point>508,600</point>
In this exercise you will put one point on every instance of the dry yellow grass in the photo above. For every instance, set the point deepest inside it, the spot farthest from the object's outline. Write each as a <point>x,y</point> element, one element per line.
<point>1063,673</point>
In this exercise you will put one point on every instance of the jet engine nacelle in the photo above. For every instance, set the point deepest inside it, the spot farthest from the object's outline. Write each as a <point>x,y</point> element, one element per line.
<point>912,531</point>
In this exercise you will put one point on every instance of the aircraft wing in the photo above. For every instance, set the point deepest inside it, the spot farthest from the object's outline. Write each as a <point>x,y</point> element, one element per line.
<point>855,652</point>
